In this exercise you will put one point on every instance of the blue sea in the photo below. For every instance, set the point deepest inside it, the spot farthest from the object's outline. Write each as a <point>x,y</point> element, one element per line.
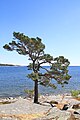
<point>13,82</point>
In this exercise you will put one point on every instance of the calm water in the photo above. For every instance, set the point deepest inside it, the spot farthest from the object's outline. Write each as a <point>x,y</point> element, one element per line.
<point>13,81</point>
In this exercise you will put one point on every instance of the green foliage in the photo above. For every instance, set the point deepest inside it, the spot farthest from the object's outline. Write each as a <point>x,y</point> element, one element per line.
<point>75,93</point>
<point>34,76</point>
<point>30,93</point>
<point>34,49</point>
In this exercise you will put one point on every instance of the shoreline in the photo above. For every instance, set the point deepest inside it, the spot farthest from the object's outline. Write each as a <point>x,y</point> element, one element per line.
<point>25,105</point>
<point>44,94</point>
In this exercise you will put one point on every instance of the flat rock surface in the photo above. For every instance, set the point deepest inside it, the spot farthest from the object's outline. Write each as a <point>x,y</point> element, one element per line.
<point>25,109</point>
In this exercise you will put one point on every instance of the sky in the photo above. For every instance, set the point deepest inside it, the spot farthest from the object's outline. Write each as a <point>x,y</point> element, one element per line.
<point>56,22</point>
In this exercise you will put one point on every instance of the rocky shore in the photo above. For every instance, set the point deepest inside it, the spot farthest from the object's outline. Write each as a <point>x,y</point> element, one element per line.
<point>50,107</point>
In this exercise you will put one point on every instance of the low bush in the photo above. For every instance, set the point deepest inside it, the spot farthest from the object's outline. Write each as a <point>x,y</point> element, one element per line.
<point>75,93</point>
<point>30,93</point>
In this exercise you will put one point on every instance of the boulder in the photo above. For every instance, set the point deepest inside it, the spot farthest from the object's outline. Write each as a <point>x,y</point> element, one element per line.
<point>76,106</point>
<point>53,102</point>
<point>65,107</point>
<point>60,106</point>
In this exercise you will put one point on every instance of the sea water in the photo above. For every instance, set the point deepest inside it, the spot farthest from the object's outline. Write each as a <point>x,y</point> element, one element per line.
<point>13,82</point>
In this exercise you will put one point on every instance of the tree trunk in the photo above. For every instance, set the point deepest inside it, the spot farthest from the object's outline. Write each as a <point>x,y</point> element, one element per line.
<point>36,91</point>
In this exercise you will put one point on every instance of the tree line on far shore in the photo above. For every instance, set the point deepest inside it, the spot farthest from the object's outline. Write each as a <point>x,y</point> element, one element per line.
<point>6,64</point>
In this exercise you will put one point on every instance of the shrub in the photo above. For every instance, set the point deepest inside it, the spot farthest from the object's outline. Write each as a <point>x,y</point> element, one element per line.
<point>30,93</point>
<point>75,93</point>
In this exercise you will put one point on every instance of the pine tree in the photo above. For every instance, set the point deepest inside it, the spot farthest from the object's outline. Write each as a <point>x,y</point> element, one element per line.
<point>34,49</point>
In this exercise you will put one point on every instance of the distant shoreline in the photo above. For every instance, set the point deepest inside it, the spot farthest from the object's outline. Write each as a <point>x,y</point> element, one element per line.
<point>8,65</point>
<point>3,64</point>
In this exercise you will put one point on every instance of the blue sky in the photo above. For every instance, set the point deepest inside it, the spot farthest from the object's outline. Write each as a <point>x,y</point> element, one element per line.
<point>57,22</point>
